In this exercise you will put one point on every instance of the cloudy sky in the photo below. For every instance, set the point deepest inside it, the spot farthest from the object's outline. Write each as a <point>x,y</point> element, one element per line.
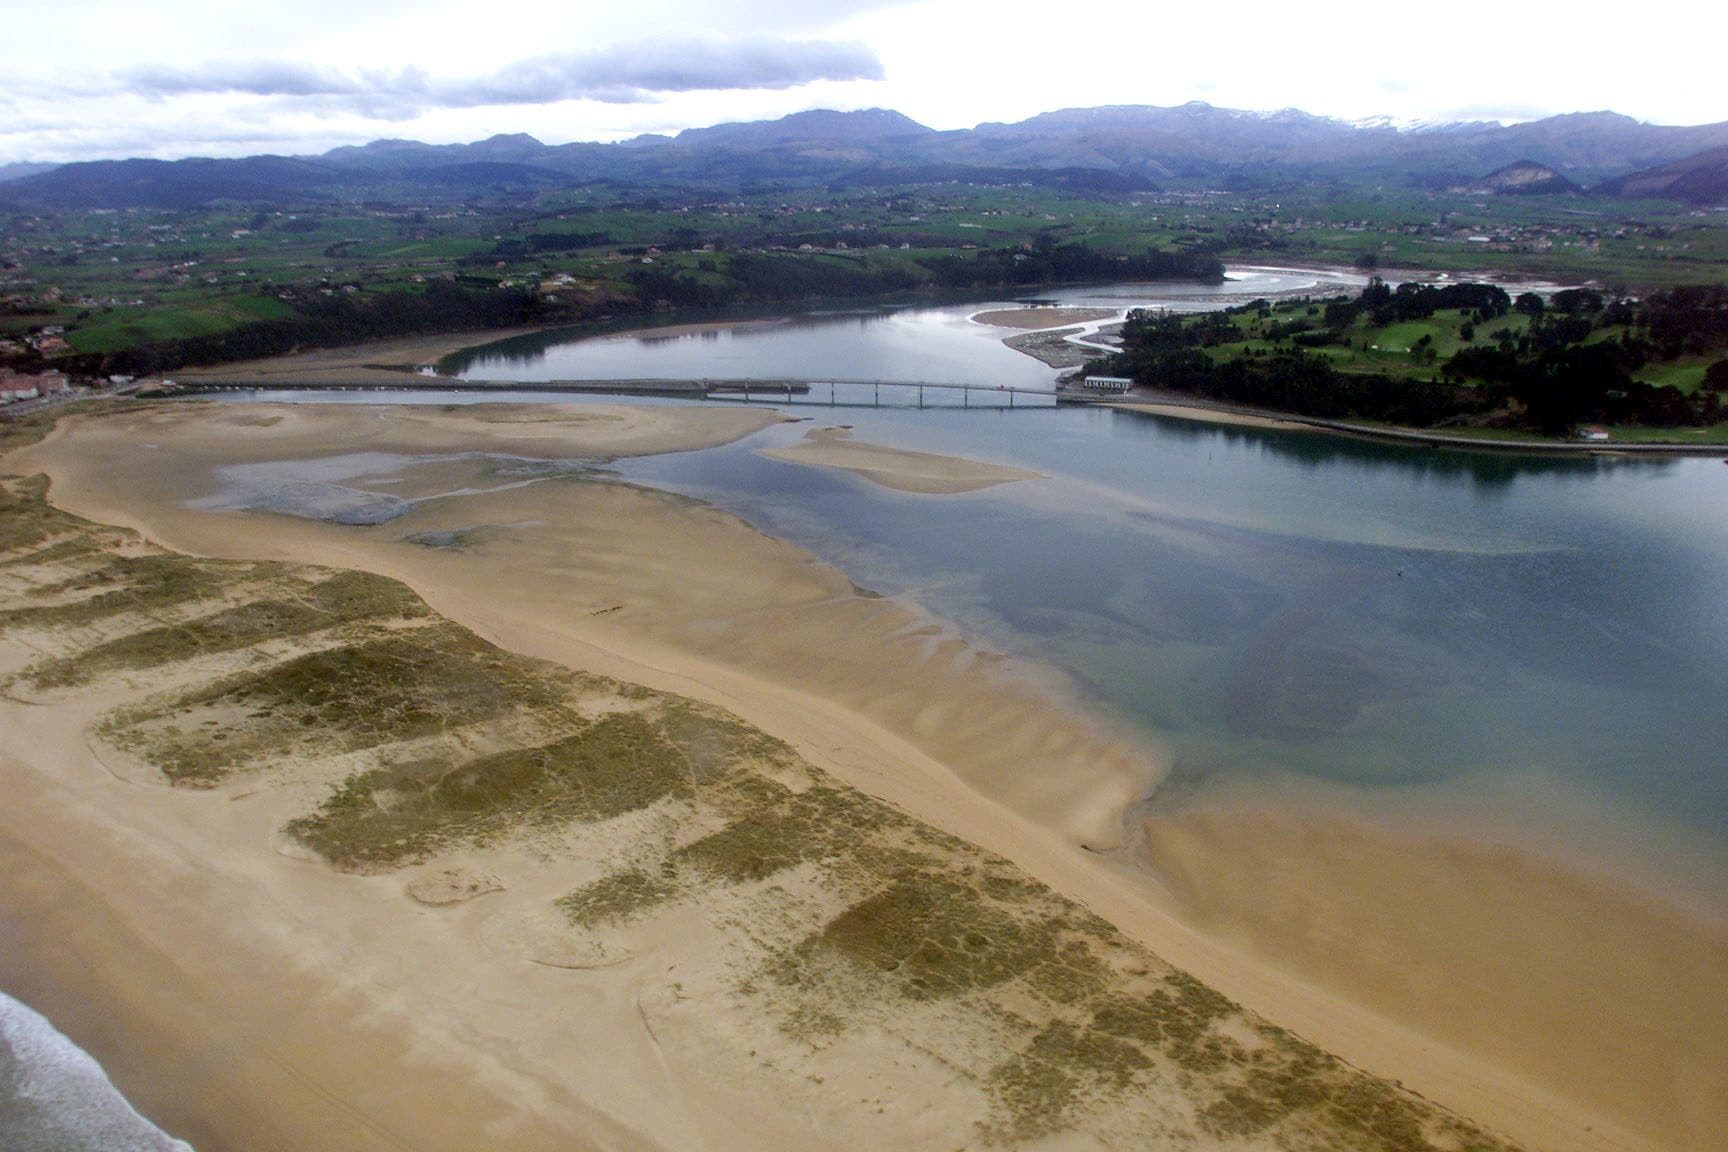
<point>87,79</point>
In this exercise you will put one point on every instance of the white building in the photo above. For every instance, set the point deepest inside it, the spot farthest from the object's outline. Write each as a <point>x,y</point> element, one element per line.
<point>1107,384</point>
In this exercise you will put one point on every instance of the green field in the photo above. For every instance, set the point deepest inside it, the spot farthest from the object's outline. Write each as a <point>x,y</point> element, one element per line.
<point>120,279</point>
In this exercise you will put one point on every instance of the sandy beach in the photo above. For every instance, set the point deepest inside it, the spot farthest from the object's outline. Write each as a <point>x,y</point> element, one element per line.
<point>1357,946</point>
<point>1210,415</point>
<point>896,468</point>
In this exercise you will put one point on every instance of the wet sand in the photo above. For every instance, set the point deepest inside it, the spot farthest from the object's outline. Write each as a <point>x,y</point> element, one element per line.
<point>1208,414</point>
<point>1578,981</point>
<point>896,468</point>
<point>658,590</point>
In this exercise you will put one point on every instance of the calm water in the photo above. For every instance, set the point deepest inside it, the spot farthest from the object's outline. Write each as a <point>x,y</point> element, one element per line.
<point>1542,641</point>
<point>1536,645</point>
<point>931,344</point>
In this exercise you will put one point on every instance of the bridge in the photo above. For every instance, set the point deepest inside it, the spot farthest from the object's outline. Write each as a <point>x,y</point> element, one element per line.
<point>832,392</point>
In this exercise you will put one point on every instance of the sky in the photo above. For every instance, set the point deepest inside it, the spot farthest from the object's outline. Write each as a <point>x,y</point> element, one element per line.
<point>95,79</point>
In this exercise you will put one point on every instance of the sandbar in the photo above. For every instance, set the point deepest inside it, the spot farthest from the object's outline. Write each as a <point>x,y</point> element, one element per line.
<point>896,468</point>
<point>1036,319</point>
<point>1209,414</point>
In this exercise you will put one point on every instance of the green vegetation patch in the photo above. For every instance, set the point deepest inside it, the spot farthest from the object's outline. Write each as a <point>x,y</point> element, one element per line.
<point>397,687</point>
<point>345,598</point>
<point>224,631</point>
<point>1177,1018</point>
<point>620,763</point>
<point>129,584</point>
<point>403,685</point>
<point>934,936</point>
<point>714,743</point>
<point>26,520</point>
<point>1037,1090</point>
<point>619,897</point>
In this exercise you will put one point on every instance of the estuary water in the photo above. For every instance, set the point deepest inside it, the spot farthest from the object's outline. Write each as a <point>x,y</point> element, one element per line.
<point>1529,646</point>
<point>921,343</point>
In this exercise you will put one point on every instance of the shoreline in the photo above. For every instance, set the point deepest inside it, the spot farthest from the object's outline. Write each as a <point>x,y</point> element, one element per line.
<point>1181,407</point>
<point>840,718</point>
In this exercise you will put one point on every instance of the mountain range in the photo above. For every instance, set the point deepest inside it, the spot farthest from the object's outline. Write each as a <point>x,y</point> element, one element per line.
<point>1193,146</point>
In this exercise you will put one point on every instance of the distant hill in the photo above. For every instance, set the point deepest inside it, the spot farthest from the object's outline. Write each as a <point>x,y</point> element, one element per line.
<point>1700,179</point>
<point>19,171</point>
<point>178,184</point>
<point>1125,148</point>
<point>1521,178</point>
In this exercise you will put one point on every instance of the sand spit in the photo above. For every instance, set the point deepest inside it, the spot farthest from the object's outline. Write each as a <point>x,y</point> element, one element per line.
<point>654,590</point>
<point>375,362</point>
<point>1212,415</point>
<point>1034,319</point>
<point>896,468</point>
<point>531,907</point>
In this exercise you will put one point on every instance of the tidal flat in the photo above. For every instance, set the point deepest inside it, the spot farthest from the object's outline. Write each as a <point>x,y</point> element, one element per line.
<point>819,929</point>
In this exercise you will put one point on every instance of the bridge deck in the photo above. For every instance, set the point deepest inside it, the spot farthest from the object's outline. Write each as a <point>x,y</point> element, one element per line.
<point>704,388</point>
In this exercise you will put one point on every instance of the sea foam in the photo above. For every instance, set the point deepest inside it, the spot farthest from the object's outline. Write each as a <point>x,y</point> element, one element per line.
<point>55,1098</point>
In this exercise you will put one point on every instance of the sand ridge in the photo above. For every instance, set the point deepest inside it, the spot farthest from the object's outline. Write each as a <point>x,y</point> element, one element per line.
<point>896,468</point>
<point>1035,319</point>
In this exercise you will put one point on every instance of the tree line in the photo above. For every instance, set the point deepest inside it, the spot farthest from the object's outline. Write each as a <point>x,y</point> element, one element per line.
<point>1562,371</point>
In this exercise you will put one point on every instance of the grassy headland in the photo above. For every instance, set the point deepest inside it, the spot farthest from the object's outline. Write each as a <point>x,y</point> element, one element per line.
<point>1461,357</point>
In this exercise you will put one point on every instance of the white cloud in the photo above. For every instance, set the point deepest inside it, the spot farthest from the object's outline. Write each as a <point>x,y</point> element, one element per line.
<point>164,78</point>
<point>623,73</point>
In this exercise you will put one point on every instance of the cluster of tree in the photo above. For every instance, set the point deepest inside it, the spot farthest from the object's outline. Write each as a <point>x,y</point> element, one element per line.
<point>535,244</point>
<point>1301,382</point>
<point>1047,263</point>
<point>1552,378</point>
<point>769,277</point>
<point>331,321</point>
<point>1410,301</point>
<point>1561,386</point>
<point>1686,321</point>
<point>785,276</point>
